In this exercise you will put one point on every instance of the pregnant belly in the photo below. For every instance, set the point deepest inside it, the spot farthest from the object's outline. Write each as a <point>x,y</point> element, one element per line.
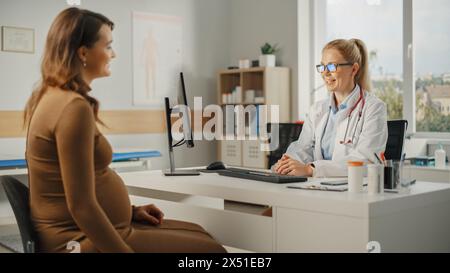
<point>112,196</point>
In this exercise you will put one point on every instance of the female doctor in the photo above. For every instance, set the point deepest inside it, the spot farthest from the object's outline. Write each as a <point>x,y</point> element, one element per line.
<point>350,125</point>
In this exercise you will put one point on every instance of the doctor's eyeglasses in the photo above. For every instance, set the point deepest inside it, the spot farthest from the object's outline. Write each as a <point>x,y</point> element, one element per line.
<point>331,67</point>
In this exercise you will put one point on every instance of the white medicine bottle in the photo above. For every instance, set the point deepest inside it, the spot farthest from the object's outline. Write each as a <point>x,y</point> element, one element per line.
<point>355,176</point>
<point>440,157</point>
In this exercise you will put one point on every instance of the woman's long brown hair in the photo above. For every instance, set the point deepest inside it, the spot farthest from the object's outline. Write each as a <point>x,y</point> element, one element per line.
<point>61,67</point>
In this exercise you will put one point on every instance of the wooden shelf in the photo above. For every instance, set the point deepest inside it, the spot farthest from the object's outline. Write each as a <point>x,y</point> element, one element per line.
<point>271,83</point>
<point>225,104</point>
<point>253,69</point>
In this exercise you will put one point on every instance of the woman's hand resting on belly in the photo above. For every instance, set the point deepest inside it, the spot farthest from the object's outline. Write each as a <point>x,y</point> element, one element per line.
<point>289,166</point>
<point>148,214</point>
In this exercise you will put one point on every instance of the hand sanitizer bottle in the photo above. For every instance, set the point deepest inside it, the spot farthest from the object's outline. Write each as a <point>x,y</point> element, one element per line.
<point>440,157</point>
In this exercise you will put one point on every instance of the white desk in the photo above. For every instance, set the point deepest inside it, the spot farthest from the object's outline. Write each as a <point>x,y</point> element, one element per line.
<point>307,221</point>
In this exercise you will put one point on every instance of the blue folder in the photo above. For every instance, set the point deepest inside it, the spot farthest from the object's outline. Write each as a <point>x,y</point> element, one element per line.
<point>135,155</point>
<point>16,163</point>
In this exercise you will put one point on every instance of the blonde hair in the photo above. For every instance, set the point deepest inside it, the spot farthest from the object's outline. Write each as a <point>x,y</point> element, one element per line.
<point>354,51</point>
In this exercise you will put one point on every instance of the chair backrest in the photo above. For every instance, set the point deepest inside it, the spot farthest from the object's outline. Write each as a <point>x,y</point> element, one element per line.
<point>396,139</point>
<point>288,133</point>
<point>18,196</point>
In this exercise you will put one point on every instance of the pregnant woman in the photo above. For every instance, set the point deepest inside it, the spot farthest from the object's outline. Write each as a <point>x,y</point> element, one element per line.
<point>75,196</point>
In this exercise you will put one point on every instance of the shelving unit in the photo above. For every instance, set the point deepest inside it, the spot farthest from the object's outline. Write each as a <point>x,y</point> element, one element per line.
<point>271,85</point>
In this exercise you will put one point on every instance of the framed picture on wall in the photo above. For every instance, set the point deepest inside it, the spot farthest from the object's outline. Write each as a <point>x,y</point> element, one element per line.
<point>157,57</point>
<point>16,39</point>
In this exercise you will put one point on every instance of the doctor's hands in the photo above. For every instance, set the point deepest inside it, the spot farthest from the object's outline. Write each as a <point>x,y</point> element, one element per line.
<point>289,166</point>
<point>148,214</point>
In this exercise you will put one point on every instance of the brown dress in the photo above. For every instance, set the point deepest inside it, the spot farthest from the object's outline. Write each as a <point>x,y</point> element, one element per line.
<point>75,196</point>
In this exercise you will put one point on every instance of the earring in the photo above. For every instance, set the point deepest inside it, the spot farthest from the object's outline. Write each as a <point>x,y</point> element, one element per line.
<point>84,64</point>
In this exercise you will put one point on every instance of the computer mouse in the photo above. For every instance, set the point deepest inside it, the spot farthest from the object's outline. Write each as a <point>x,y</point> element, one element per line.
<point>218,165</point>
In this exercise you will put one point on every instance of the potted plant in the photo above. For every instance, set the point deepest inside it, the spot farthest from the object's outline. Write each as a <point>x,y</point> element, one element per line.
<point>268,59</point>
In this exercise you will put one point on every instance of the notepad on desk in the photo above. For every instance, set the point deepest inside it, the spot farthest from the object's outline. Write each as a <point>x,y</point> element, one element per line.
<point>319,188</point>
<point>333,185</point>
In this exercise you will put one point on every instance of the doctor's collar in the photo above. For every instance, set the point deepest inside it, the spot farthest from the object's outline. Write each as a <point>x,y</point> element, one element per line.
<point>348,100</point>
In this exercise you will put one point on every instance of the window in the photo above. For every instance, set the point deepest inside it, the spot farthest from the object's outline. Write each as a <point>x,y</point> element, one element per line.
<point>432,64</point>
<point>377,23</point>
<point>409,54</point>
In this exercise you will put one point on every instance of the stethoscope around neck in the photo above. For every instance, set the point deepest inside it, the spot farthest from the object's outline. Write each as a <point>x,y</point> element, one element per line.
<point>361,100</point>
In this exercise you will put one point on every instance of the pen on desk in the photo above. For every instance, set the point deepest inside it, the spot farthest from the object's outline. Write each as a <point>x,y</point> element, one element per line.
<point>379,160</point>
<point>383,159</point>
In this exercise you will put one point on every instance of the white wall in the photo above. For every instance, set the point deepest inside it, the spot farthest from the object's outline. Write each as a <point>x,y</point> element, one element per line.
<point>206,50</point>
<point>254,22</point>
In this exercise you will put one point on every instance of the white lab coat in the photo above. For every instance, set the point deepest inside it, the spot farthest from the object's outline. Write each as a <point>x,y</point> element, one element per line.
<point>370,136</point>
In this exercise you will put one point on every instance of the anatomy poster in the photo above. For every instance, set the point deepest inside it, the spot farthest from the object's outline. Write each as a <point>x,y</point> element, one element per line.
<point>157,58</point>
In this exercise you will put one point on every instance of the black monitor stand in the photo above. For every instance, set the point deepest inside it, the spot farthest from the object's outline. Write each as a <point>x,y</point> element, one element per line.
<point>172,171</point>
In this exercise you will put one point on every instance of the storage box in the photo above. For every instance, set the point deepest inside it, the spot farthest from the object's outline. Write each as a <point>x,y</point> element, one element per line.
<point>231,152</point>
<point>252,156</point>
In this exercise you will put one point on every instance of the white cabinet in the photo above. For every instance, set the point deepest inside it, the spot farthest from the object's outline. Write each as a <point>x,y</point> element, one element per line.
<point>231,152</point>
<point>252,156</point>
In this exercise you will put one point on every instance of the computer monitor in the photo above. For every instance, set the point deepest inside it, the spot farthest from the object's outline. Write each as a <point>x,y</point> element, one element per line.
<point>182,109</point>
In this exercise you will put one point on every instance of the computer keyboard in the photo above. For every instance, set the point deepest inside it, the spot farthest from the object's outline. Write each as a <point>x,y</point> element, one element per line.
<point>261,176</point>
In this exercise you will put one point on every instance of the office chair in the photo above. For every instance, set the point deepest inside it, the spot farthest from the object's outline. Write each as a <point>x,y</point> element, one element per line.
<point>18,196</point>
<point>288,133</point>
<point>396,139</point>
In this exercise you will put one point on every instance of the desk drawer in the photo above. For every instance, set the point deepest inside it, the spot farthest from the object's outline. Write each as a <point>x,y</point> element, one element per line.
<point>307,231</point>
